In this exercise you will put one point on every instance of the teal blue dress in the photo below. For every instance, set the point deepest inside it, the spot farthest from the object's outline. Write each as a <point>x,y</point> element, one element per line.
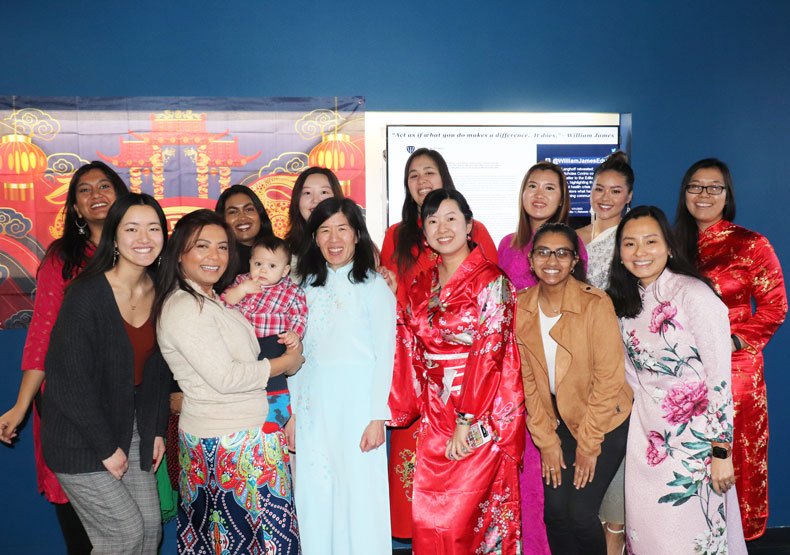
<point>342,494</point>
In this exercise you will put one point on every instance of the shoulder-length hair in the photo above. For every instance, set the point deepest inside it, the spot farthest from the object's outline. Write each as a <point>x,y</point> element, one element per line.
<point>623,285</point>
<point>523,234</point>
<point>185,234</point>
<point>266,223</point>
<point>70,247</point>
<point>432,201</point>
<point>104,257</point>
<point>565,230</point>
<point>312,264</point>
<point>408,234</point>
<point>297,234</point>
<point>686,227</point>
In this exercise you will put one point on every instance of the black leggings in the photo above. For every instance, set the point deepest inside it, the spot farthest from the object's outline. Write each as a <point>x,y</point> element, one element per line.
<point>77,541</point>
<point>571,515</point>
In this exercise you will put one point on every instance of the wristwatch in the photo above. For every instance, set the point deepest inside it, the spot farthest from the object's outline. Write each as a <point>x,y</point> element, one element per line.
<point>721,452</point>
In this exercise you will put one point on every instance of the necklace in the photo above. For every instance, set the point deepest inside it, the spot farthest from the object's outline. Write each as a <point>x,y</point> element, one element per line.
<point>548,304</point>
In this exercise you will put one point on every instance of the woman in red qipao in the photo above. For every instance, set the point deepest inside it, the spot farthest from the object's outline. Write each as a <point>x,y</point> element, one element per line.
<point>405,254</point>
<point>458,370</point>
<point>742,266</point>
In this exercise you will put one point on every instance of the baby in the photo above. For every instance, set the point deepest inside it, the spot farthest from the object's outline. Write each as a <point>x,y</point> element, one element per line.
<point>277,309</point>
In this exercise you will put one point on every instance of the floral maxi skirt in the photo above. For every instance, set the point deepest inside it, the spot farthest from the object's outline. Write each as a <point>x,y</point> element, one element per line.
<point>236,495</point>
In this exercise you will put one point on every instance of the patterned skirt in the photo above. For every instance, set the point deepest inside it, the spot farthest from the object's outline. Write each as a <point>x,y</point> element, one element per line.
<point>236,495</point>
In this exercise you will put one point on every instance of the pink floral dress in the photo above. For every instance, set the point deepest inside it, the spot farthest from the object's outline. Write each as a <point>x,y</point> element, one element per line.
<point>678,365</point>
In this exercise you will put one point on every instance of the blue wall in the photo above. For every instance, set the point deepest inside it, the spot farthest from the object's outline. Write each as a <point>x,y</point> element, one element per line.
<point>700,78</point>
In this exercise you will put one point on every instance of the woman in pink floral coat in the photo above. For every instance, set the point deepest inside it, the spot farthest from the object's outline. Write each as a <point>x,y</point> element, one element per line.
<point>679,477</point>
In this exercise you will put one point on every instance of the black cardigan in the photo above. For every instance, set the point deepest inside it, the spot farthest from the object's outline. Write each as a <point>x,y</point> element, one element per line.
<point>90,399</point>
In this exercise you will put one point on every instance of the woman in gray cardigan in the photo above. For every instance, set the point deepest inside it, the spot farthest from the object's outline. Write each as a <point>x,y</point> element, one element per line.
<point>105,404</point>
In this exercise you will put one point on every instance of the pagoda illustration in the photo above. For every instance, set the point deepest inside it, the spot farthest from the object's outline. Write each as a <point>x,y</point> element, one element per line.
<point>212,153</point>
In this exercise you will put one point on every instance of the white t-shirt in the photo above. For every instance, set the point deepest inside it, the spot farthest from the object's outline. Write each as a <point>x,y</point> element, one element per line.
<point>549,345</point>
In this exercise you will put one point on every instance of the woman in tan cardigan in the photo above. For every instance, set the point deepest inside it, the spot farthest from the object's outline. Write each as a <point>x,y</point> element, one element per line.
<point>572,364</point>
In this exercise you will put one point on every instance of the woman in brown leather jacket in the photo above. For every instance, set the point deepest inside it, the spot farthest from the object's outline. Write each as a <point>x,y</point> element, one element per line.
<point>572,364</point>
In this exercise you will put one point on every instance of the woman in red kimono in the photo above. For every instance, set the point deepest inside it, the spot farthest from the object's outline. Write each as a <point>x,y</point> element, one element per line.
<point>742,266</point>
<point>405,254</point>
<point>458,370</point>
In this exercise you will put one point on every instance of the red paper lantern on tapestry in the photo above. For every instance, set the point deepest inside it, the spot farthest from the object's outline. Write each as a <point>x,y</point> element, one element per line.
<point>337,153</point>
<point>21,164</point>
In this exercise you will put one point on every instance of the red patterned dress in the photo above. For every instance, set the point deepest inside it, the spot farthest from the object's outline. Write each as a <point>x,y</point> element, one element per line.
<point>50,287</point>
<point>743,266</point>
<point>403,441</point>
<point>456,353</point>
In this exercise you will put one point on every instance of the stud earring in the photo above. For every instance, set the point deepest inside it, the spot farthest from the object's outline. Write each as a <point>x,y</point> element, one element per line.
<point>81,228</point>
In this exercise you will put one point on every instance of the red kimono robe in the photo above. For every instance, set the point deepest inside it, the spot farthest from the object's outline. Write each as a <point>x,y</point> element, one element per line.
<point>743,266</point>
<point>403,441</point>
<point>457,353</point>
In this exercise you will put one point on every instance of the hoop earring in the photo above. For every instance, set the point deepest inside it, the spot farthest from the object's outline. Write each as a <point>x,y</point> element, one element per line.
<point>115,254</point>
<point>81,228</point>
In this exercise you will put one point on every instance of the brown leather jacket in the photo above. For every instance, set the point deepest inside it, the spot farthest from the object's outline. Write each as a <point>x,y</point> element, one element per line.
<point>591,394</point>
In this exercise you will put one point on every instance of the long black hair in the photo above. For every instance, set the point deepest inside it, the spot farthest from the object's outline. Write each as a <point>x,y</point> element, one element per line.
<point>408,234</point>
<point>578,271</point>
<point>185,233</point>
<point>297,234</point>
<point>70,247</point>
<point>623,285</point>
<point>104,258</point>
<point>312,264</point>
<point>686,227</point>
<point>266,223</point>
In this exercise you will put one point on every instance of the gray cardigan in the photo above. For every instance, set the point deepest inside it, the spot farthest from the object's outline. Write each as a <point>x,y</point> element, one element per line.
<point>90,399</point>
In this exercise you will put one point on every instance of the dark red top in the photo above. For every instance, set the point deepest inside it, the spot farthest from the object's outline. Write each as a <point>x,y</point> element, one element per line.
<point>143,340</point>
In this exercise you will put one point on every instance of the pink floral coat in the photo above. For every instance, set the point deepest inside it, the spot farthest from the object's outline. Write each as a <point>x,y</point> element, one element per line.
<point>678,364</point>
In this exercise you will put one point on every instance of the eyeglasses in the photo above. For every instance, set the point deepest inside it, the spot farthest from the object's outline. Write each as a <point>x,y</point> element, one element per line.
<point>711,189</point>
<point>562,254</point>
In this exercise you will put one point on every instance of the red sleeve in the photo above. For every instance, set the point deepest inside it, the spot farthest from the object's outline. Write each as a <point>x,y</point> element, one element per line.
<point>388,250</point>
<point>496,305</point>
<point>297,311</point>
<point>406,386</point>
<point>49,296</point>
<point>770,298</point>
<point>481,236</point>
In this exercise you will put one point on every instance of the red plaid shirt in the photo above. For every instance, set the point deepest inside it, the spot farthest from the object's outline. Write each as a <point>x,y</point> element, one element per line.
<point>276,309</point>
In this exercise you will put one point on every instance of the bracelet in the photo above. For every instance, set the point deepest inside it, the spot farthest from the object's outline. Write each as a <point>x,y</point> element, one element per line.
<point>464,419</point>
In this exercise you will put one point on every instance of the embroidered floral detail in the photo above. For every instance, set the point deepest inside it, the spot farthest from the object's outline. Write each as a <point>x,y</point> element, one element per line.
<point>685,401</point>
<point>405,471</point>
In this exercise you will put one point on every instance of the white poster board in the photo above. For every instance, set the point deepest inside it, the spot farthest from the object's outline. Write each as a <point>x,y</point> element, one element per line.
<point>488,163</point>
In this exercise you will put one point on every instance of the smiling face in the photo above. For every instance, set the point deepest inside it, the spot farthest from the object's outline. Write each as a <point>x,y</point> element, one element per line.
<point>423,178</point>
<point>243,218</point>
<point>139,237</point>
<point>552,258</point>
<point>609,195</point>
<point>268,267</point>
<point>207,260</point>
<point>542,196</point>
<point>95,196</point>
<point>316,188</point>
<point>643,249</point>
<point>707,209</point>
<point>446,229</point>
<point>337,240</point>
